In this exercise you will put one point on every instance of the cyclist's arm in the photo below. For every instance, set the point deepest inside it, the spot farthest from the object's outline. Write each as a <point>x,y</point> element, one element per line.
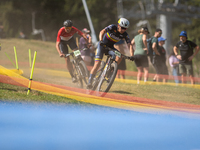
<point>58,49</point>
<point>154,47</point>
<point>131,47</point>
<point>101,34</point>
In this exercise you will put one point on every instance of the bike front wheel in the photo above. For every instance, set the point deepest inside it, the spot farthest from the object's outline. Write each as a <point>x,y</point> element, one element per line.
<point>97,76</point>
<point>77,75</point>
<point>107,80</point>
<point>83,71</point>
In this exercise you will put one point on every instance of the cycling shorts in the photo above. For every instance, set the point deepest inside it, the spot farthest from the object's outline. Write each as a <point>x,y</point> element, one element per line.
<point>63,45</point>
<point>101,51</point>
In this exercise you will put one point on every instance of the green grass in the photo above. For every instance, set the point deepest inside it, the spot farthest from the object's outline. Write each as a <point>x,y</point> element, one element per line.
<point>47,53</point>
<point>159,92</point>
<point>17,93</point>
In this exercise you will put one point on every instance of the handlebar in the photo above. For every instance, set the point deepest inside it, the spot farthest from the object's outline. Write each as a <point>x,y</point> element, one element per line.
<point>73,53</point>
<point>110,49</point>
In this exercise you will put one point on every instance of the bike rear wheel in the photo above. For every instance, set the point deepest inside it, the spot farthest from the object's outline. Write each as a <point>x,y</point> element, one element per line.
<point>107,80</point>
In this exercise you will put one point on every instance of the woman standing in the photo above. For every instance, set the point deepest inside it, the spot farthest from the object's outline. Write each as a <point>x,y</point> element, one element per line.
<point>140,53</point>
<point>174,61</point>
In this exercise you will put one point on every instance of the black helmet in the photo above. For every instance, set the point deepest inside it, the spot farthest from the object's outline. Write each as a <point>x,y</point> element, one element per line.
<point>67,23</point>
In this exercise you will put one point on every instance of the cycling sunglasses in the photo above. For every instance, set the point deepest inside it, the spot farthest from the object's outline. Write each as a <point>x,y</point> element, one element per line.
<point>68,27</point>
<point>123,28</point>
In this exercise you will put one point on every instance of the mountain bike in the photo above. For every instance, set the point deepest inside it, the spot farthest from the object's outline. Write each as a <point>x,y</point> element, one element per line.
<point>80,70</point>
<point>96,79</point>
<point>106,74</point>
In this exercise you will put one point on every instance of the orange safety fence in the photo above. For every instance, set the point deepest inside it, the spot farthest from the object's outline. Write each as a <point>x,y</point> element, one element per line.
<point>125,72</point>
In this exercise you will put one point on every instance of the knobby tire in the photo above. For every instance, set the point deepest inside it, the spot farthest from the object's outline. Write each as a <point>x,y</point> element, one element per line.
<point>108,80</point>
<point>97,76</point>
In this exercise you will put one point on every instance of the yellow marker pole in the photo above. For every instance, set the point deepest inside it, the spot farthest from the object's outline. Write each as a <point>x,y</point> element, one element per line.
<point>30,57</point>
<point>16,58</point>
<point>31,76</point>
<point>10,59</point>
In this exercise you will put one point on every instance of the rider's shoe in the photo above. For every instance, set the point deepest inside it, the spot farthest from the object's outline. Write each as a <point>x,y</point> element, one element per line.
<point>89,86</point>
<point>74,79</point>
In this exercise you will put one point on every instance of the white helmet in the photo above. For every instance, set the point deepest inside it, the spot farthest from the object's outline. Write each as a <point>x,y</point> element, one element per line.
<point>123,22</point>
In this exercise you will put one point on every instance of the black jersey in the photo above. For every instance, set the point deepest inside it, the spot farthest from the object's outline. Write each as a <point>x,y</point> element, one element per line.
<point>162,52</point>
<point>186,50</point>
<point>112,36</point>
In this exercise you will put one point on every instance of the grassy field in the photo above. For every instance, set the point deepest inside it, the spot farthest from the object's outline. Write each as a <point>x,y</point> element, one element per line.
<point>17,93</point>
<point>47,54</point>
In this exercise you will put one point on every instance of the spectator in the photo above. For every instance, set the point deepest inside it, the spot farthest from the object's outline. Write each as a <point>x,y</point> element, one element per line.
<point>160,61</point>
<point>22,35</point>
<point>140,53</point>
<point>121,46</point>
<point>186,55</point>
<point>173,61</point>
<point>155,47</point>
<point>83,44</point>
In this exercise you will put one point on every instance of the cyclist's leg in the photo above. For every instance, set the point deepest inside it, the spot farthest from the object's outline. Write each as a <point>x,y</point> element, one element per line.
<point>64,49</point>
<point>72,44</point>
<point>97,63</point>
<point>118,60</point>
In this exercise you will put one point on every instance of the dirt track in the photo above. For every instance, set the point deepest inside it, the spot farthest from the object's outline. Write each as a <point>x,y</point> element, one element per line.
<point>107,99</point>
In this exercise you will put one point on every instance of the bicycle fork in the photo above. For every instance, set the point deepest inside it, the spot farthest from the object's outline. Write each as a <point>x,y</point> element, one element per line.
<point>106,68</point>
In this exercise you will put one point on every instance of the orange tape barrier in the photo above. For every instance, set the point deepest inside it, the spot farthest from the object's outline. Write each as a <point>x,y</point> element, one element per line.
<point>126,72</point>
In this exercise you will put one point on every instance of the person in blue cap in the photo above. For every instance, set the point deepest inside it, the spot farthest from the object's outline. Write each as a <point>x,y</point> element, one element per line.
<point>160,62</point>
<point>186,55</point>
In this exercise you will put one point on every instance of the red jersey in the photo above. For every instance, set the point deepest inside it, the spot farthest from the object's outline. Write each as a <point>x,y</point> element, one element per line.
<point>63,35</point>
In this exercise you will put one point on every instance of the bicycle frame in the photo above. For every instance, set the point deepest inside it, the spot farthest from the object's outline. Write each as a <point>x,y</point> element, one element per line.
<point>79,65</point>
<point>110,70</point>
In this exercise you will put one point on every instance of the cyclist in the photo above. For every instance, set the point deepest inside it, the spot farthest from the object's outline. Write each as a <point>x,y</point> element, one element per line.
<point>64,38</point>
<point>108,37</point>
